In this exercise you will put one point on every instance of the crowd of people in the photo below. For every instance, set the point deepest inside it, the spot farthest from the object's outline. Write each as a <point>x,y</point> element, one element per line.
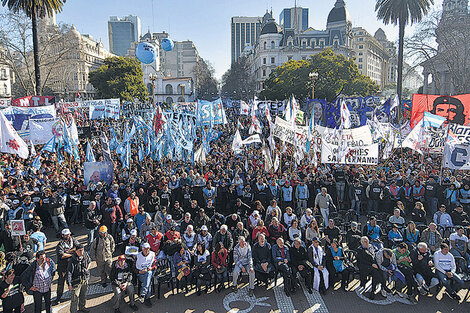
<point>403,224</point>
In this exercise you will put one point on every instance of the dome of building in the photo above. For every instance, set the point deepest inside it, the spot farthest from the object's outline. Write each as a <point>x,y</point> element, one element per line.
<point>339,13</point>
<point>380,35</point>
<point>74,31</point>
<point>271,28</point>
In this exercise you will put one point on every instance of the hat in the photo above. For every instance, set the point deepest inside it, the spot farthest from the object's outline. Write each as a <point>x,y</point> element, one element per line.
<point>16,201</point>
<point>353,224</point>
<point>36,189</point>
<point>298,239</point>
<point>168,217</point>
<point>255,212</point>
<point>103,229</point>
<point>315,239</point>
<point>133,232</point>
<point>99,183</point>
<point>66,231</point>
<point>78,246</point>
<point>121,257</point>
<point>172,228</point>
<point>145,245</point>
<point>204,227</point>
<point>129,220</point>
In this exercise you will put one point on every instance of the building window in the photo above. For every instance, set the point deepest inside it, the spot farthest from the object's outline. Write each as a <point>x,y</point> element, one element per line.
<point>169,89</point>
<point>361,39</point>
<point>322,44</point>
<point>273,44</point>
<point>289,57</point>
<point>180,99</point>
<point>360,66</point>
<point>169,100</point>
<point>361,47</point>
<point>264,60</point>
<point>264,73</point>
<point>360,53</point>
<point>149,88</point>
<point>272,60</point>
<point>360,59</point>
<point>265,45</point>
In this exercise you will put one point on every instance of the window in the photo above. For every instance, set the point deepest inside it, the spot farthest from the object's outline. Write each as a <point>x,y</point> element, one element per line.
<point>265,45</point>
<point>149,88</point>
<point>361,39</point>
<point>360,66</point>
<point>264,73</point>
<point>289,57</point>
<point>264,60</point>
<point>273,45</point>
<point>180,99</point>
<point>169,100</point>
<point>272,60</point>
<point>360,59</point>
<point>169,89</point>
<point>361,47</point>
<point>360,53</point>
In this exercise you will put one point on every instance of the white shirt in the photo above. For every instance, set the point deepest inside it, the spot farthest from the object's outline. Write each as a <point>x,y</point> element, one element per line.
<point>459,242</point>
<point>444,263</point>
<point>144,262</point>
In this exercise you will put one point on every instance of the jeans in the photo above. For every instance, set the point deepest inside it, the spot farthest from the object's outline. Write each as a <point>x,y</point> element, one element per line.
<point>325,214</point>
<point>340,191</point>
<point>38,301</point>
<point>222,277</point>
<point>456,253</point>
<point>78,297</point>
<point>356,205</point>
<point>453,284</point>
<point>146,280</point>
<point>372,205</point>
<point>60,284</point>
<point>91,237</point>
<point>421,281</point>
<point>76,212</point>
<point>56,219</point>
<point>118,294</point>
<point>236,273</point>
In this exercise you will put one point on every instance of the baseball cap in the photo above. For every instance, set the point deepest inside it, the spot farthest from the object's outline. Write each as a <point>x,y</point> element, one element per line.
<point>66,231</point>
<point>129,220</point>
<point>145,245</point>
<point>204,227</point>
<point>133,232</point>
<point>121,257</point>
<point>168,217</point>
<point>103,229</point>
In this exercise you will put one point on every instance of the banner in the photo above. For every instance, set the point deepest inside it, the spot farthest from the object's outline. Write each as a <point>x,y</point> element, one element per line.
<point>107,108</point>
<point>204,112</point>
<point>285,132</point>
<point>98,172</point>
<point>5,102</point>
<point>17,228</point>
<point>456,109</point>
<point>33,101</point>
<point>355,137</point>
<point>42,130</point>
<point>251,139</point>
<point>364,155</point>
<point>456,157</point>
<point>462,133</point>
<point>19,117</point>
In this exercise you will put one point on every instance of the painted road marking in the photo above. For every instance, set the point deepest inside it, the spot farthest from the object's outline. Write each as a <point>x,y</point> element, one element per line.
<point>242,295</point>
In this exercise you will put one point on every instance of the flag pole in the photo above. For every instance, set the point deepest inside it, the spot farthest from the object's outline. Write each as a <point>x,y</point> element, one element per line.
<point>442,161</point>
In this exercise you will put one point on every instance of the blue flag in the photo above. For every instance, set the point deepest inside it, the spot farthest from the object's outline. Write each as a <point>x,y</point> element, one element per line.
<point>90,157</point>
<point>50,145</point>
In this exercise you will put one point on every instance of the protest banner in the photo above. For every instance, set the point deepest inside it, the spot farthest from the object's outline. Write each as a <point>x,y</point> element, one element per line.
<point>5,102</point>
<point>19,117</point>
<point>104,108</point>
<point>364,155</point>
<point>251,139</point>
<point>17,228</point>
<point>456,109</point>
<point>456,157</point>
<point>33,101</point>
<point>285,132</point>
<point>98,172</point>
<point>41,130</point>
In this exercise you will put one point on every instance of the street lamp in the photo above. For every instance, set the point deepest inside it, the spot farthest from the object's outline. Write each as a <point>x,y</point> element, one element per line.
<point>153,78</point>
<point>313,76</point>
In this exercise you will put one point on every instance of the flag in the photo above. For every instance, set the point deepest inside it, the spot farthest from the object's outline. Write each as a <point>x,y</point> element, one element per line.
<point>50,145</point>
<point>33,150</point>
<point>394,103</point>
<point>244,108</point>
<point>268,163</point>
<point>255,124</point>
<point>415,139</point>
<point>237,143</point>
<point>114,142</point>
<point>10,141</point>
<point>90,157</point>
<point>291,111</point>
<point>276,162</point>
<point>141,153</point>
<point>345,116</point>
<point>200,156</point>
<point>105,146</point>
<point>239,125</point>
<point>433,120</point>
<point>159,121</point>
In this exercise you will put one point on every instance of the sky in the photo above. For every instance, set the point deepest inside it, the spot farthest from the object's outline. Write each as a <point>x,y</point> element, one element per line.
<point>207,22</point>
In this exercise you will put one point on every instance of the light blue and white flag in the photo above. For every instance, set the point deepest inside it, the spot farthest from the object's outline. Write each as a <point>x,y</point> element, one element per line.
<point>433,120</point>
<point>90,156</point>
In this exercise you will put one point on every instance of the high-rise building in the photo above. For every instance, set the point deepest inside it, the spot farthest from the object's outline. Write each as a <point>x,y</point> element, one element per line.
<point>294,18</point>
<point>122,31</point>
<point>245,31</point>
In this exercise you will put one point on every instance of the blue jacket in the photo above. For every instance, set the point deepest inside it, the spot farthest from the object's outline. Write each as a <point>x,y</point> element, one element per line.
<point>277,255</point>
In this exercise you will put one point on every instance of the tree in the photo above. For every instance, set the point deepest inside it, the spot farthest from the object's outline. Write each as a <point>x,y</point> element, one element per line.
<point>206,84</point>
<point>34,9</point>
<point>119,77</point>
<point>336,75</point>
<point>401,13</point>
<point>55,54</point>
<point>237,82</point>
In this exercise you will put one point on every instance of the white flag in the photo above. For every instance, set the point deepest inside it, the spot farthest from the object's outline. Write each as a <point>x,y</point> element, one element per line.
<point>276,162</point>
<point>200,156</point>
<point>291,111</point>
<point>415,139</point>
<point>255,124</point>
<point>394,103</point>
<point>244,108</point>
<point>237,143</point>
<point>10,141</point>
<point>33,150</point>
<point>345,115</point>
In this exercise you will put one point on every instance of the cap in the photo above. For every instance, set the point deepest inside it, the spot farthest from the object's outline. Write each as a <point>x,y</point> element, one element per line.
<point>315,239</point>
<point>255,212</point>
<point>121,257</point>
<point>66,231</point>
<point>145,245</point>
<point>36,189</point>
<point>168,217</point>
<point>204,227</point>
<point>129,220</point>
<point>172,228</point>
<point>103,229</point>
<point>133,232</point>
<point>78,246</point>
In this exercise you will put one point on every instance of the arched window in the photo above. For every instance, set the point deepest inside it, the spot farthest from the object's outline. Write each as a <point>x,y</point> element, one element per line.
<point>169,100</point>
<point>180,99</point>
<point>273,44</point>
<point>149,88</point>
<point>169,89</point>
<point>265,45</point>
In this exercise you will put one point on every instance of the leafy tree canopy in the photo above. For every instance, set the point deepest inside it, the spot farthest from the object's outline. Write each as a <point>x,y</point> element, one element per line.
<point>337,75</point>
<point>119,77</point>
<point>237,83</point>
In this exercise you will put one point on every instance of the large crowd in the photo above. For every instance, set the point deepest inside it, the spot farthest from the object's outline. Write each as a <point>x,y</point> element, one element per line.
<point>402,224</point>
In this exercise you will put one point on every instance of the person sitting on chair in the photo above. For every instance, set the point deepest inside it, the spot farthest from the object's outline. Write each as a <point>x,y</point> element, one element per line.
<point>320,275</point>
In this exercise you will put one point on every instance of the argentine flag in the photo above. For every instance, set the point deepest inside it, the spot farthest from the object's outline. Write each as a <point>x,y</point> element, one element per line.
<point>432,120</point>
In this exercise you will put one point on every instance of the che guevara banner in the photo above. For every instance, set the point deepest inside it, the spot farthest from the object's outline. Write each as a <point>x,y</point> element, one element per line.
<point>456,109</point>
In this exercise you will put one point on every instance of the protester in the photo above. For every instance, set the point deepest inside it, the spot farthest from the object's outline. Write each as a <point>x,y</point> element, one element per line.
<point>121,281</point>
<point>78,274</point>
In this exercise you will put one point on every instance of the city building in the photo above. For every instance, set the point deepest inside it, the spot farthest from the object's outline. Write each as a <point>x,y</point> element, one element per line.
<point>294,18</point>
<point>371,57</point>
<point>447,73</point>
<point>122,31</point>
<point>245,31</point>
<point>72,57</point>
<point>276,46</point>
<point>6,80</point>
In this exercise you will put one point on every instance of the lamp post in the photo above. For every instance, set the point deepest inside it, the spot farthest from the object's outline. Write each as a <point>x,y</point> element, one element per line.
<point>313,76</point>
<point>153,78</point>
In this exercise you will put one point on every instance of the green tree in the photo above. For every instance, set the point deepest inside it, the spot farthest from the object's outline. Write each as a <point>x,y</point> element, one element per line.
<point>35,9</point>
<point>119,77</point>
<point>401,13</point>
<point>206,84</point>
<point>237,83</point>
<point>336,75</point>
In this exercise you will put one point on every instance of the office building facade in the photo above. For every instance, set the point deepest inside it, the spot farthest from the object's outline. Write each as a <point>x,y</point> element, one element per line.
<point>122,31</point>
